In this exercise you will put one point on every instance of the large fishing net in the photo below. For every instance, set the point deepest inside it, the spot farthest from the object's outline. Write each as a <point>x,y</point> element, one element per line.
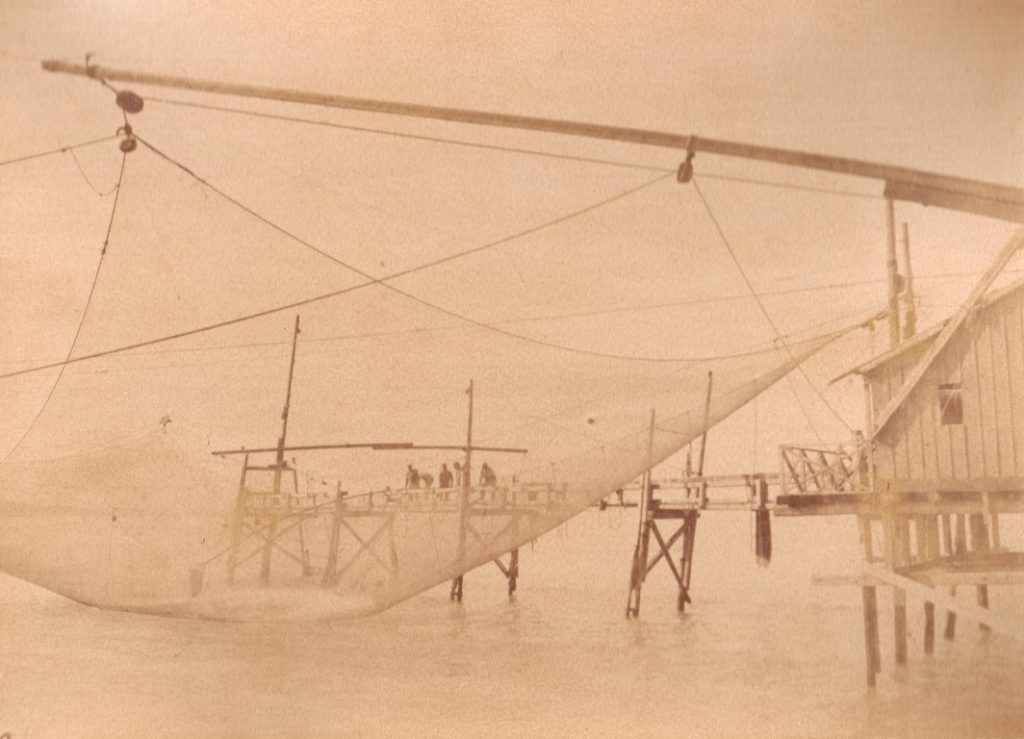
<point>158,523</point>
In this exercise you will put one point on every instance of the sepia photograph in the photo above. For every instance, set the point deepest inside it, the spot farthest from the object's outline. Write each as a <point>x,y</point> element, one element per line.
<point>559,368</point>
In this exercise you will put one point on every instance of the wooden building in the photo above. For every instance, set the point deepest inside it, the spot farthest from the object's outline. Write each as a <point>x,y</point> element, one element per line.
<point>962,425</point>
<point>943,459</point>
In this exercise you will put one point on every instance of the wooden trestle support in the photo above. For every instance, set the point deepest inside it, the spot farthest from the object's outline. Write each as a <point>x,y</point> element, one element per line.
<point>927,544</point>
<point>652,511</point>
<point>683,500</point>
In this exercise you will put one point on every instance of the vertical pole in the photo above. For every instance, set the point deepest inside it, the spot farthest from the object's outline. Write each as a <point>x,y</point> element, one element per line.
<point>513,571</point>
<point>236,523</point>
<point>686,565</point>
<point>704,442</point>
<point>910,319</point>
<point>959,549</point>
<point>892,275</point>
<point>869,597</point>
<point>332,550</point>
<point>980,542</point>
<point>643,532</point>
<point>279,465</point>
<point>900,624</point>
<point>456,590</point>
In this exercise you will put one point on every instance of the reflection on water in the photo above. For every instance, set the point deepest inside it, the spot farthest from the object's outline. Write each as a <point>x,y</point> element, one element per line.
<point>761,651</point>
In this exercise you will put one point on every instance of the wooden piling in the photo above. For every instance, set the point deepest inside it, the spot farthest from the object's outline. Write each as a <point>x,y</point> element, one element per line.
<point>869,598</point>
<point>871,646</point>
<point>980,543</point>
<point>929,627</point>
<point>899,596</point>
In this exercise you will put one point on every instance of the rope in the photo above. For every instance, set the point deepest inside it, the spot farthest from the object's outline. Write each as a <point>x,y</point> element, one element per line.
<point>521,319</point>
<point>50,152</point>
<point>81,321</point>
<point>385,281</point>
<point>85,177</point>
<point>789,186</point>
<point>767,315</point>
<point>373,281</point>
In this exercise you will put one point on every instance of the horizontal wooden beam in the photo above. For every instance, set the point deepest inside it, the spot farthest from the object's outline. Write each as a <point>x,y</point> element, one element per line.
<point>916,185</point>
<point>384,446</point>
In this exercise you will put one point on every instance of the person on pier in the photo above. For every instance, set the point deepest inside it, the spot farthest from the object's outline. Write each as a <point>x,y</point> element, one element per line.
<point>444,477</point>
<point>459,475</point>
<point>487,477</point>
<point>412,478</point>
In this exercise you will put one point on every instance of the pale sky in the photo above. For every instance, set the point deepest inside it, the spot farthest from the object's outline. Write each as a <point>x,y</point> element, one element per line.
<point>933,85</point>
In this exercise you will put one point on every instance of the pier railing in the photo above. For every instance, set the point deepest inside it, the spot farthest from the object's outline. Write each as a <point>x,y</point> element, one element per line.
<point>811,470</point>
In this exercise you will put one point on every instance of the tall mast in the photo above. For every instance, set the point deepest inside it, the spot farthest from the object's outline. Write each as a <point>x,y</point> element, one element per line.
<point>287,397</point>
<point>909,309</point>
<point>892,274</point>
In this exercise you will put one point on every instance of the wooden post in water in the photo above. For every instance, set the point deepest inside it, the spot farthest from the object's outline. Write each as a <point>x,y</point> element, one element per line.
<point>236,522</point>
<point>959,550</point>
<point>980,544</point>
<point>638,572</point>
<point>332,552</point>
<point>455,593</point>
<point>869,595</point>
<point>869,598</point>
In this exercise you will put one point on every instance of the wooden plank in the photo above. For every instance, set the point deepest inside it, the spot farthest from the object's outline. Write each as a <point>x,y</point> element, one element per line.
<point>979,334</point>
<point>934,467</point>
<point>973,432</point>
<point>1013,327</point>
<point>998,357</point>
<point>916,463</point>
<point>898,429</point>
<point>952,454</point>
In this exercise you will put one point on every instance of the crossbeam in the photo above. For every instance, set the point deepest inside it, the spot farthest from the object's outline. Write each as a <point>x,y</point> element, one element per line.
<point>374,445</point>
<point>913,185</point>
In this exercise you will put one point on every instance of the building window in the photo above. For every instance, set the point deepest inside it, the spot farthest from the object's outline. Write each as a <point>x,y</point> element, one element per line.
<point>951,406</point>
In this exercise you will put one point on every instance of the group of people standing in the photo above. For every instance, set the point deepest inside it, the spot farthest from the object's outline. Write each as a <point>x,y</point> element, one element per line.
<point>447,479</point>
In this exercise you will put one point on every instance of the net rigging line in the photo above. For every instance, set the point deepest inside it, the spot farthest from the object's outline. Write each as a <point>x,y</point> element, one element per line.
<point>767,315</point>
<point>61,150</point>
<point>86,177</point>
<point>385,281</point>
<point>85,313</point>
<point>337,293</point>
<point>641,308</point>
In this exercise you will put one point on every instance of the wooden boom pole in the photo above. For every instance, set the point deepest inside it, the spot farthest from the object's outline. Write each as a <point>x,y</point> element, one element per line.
<point>913,185</point>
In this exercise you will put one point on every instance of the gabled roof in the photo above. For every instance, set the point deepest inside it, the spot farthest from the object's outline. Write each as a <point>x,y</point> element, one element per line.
<point>926,336</point>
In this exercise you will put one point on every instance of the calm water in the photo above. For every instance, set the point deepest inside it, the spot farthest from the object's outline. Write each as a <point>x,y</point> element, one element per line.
<point>761,652</point>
